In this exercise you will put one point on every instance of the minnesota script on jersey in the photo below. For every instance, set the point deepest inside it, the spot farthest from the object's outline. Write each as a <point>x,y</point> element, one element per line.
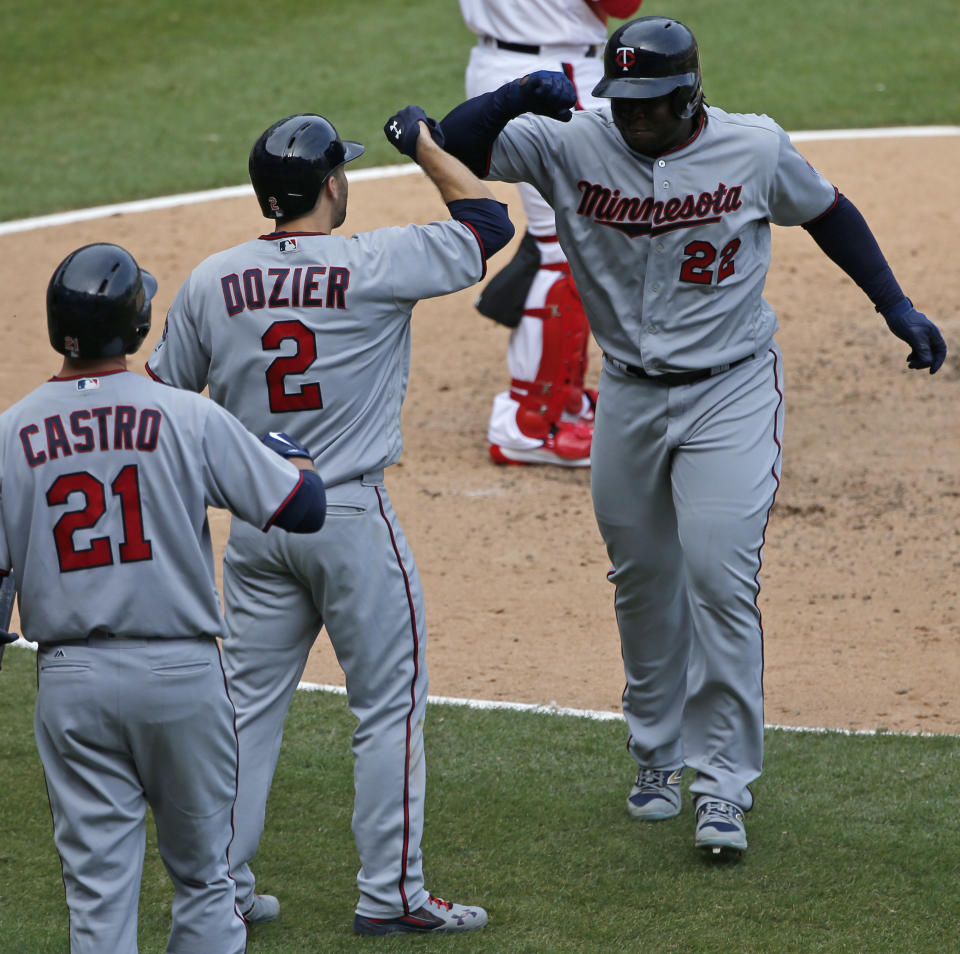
<point>686,235</point>
<point>126,469</point>
<point>311,334</point>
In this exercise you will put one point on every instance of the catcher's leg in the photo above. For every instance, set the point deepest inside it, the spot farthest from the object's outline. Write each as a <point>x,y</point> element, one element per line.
<point>533,422</point>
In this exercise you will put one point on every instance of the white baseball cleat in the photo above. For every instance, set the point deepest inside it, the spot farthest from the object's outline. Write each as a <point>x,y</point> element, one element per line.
<point>435,917</point>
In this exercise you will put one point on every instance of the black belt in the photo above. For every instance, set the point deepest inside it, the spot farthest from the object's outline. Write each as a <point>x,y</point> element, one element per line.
<point>590,51</point>
<point>673,378</point>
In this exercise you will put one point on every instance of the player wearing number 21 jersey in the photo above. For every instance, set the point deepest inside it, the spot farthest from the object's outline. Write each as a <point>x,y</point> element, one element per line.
<point>105,480</point>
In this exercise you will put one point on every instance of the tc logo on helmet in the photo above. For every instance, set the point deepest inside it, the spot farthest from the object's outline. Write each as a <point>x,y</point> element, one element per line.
<point>274,205</point>
<point>625,57</point>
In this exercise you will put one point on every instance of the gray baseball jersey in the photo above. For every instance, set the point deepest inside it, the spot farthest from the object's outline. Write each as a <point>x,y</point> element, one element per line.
<point>87,469</point>
<point>104,484</point>
<point>310,334</point>
<point>670,255</point>
<point>687,235</point>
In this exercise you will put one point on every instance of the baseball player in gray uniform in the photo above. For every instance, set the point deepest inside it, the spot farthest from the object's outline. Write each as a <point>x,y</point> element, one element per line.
<point>308,332</point>
<point>105,477</point>
<point>664,212</point>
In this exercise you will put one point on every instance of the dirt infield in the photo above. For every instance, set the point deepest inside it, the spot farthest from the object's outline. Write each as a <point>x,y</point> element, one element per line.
<point>860,597</point>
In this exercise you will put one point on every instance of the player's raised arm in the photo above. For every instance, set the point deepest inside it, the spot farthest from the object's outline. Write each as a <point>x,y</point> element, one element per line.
<point>469,200</point>
<point>470,129</point>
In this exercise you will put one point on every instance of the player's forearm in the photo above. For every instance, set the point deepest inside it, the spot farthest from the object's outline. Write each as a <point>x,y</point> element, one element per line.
<point>305,510</point>
<point>844,236</point>
<point>471,128</point>
<point>452,178</point>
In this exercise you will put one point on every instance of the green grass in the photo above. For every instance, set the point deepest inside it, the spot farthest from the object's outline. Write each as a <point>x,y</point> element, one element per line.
<point>108,101</point>
<point>852,843</point>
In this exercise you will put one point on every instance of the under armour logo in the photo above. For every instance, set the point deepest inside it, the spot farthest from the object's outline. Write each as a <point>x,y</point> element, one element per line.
<point>625,57</point>
<point>58,654</point>
<point>396,129</point>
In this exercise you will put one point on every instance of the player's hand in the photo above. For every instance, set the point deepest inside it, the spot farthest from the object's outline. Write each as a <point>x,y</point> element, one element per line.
<point>285,445</point>
<point>927,344</point>
<point>544,92</point>
<point>402,130</point>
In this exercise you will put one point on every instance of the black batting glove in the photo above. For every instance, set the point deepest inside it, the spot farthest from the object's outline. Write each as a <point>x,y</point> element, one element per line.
<point>284,445</point>
<point>402,130</point>
<point>544,92</point>
<point>927,344</point>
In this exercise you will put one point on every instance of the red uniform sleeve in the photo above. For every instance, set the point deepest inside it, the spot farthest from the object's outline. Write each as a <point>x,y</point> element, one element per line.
<point>621,9</point>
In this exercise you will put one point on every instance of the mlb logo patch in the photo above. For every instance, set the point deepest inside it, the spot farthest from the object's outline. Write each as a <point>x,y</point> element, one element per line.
<point>88,384</point>
<point>288,245</point>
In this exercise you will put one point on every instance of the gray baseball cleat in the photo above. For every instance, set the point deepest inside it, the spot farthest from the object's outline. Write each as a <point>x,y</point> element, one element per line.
<point>655,794</point>
<point>435,917</point>
<point>265,907</point>
<point>720,828</point>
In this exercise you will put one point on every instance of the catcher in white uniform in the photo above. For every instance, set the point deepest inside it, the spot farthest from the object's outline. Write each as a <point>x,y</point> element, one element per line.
<point>547,415</point>
<point>308,332</point>
<point>664,213</point>
<point>105,477</point>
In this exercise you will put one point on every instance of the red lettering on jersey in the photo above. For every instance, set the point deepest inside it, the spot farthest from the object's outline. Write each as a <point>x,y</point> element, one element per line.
<point>635,216</point>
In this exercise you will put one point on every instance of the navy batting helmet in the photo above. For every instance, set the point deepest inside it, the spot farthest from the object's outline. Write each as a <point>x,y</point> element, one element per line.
<point>649,57</point>
<point>291,160</point>
<point>98,303</point>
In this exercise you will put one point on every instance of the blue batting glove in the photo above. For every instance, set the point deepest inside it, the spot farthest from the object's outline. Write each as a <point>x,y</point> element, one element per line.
<point>927,344</point>
<point>284,445</point>
<point>544,92</point>
<point>402,130</point>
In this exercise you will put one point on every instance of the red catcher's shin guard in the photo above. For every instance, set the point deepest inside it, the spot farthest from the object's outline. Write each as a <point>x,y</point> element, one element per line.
<point>558,386</point>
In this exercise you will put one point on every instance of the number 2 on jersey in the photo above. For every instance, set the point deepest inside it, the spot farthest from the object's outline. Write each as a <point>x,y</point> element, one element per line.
<point>126,486</point>
<point>307,397</point>
<point>696,268</point>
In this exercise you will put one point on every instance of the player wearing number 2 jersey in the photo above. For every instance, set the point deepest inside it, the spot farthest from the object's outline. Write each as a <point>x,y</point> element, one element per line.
<point>664,213</point>
<point>308,332</point>
<point>105,479</point>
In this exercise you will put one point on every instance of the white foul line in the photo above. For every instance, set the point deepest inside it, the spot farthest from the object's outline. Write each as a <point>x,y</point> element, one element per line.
<point>404,169</point>
<point>597,715</point>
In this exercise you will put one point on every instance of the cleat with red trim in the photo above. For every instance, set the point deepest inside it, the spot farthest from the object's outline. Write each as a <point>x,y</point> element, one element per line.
<point>435,917</point>
<point>567,445</point>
